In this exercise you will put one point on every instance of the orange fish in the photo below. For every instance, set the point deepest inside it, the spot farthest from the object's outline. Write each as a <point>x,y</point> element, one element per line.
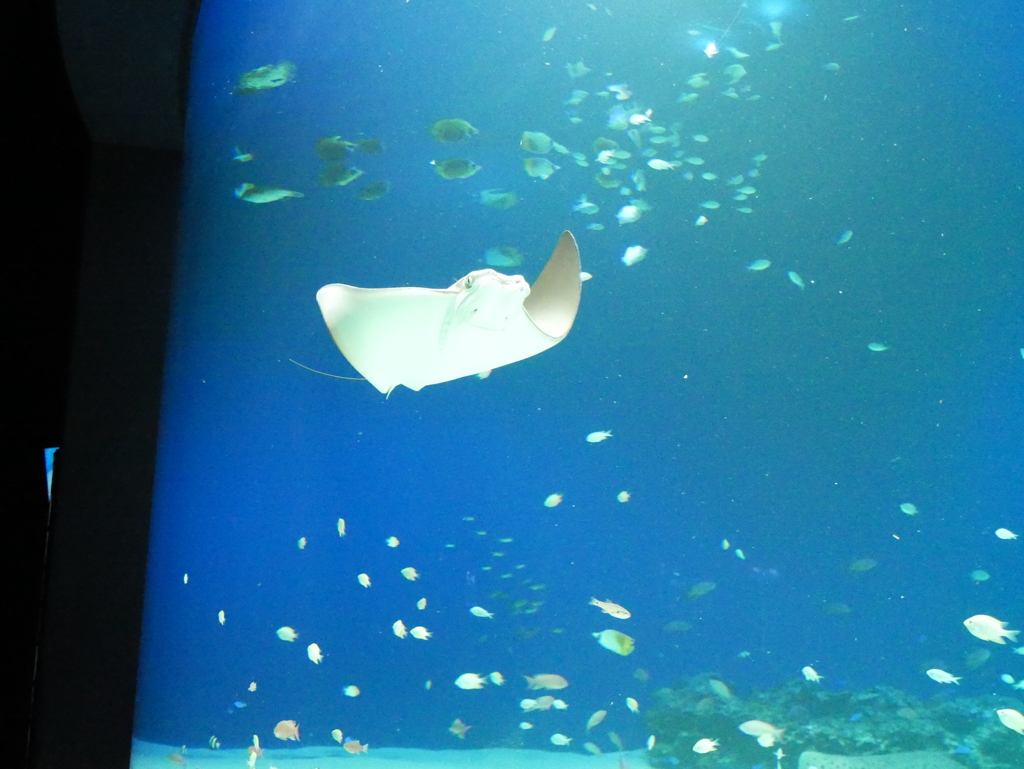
<point>287,730</point>
<point>459,729</point>
<point>619,612</point>
<point>354,746</point>
<point>546,681</point>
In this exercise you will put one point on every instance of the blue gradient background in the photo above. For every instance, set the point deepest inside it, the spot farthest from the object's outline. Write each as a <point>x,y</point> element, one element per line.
<point>741,407</point>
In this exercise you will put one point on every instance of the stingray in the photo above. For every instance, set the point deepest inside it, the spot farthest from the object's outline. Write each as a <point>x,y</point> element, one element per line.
<point>423,336</point>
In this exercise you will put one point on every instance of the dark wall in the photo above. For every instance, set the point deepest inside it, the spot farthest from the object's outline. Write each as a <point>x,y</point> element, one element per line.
<point>97,115</point>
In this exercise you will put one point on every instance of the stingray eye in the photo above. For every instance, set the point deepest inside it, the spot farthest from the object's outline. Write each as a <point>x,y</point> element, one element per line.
<point>469,282</point>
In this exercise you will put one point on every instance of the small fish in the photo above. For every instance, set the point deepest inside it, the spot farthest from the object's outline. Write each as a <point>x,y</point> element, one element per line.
<point>1005,534</point>
<point>596,718</point>
<point>549,33</point>
<point>354,746</point>
<point>220,617</point>
<point>546,681</point>
<point>241,157</point>
<point>796,279</point>
<point>735,73</point>
<point>980,575</point>
<point>633,705</point>
<point>287,730</point>
<point>341,527</point>
<point>711,205</point>
<point>614,609</point>
<point>600,435</point>
<point>420,633</point>
<point>811,674</point>
<point>1012,719</point>
<point>592,748</point>
<point>765,733</point>
<point>942,677</point>
<point>302,543</point>
<point>497,678</point>
<point>628,214</point>
<point>337,735</point>
<point>459,729</point>
<point>351,691</point>
<point>250,193</point>
<point>663,165</point>
<point>560,739</point>
<point>286,634</point>
<point>479,611</point>
<point>584,206</point>
<point>553,500</point>
<point>633,255</point>
<point>622,92</point>
<point>470,681</point>
<point>410,573</point>
<point>614,641</point>
<point>759,264</point>
<point>878,347</point>
<point>705,746</point>
<point>421,604</point>
<point>399,629</point>
<point>699,589</point>
<point>392,542</point>
<point>909,508</point>
<point>844,238</point>
<point>314,654</point>
<point>524,725</point>
<point>651,742</point>
<point>989,629</point>
<point>862,565</point>
<point>364,579</point>
<point>623,496</point>
<point>700,221</point>
<point>252,686</point>
<point>719,689</point>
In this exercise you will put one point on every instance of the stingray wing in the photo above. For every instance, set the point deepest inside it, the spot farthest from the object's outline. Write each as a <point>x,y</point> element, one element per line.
<point>389,335</point>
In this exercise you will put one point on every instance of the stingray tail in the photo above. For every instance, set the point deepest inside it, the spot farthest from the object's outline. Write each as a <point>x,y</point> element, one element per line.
<point>332,376</point>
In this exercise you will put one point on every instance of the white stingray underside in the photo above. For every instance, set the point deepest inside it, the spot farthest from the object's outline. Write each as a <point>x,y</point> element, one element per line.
<point>422,336</point>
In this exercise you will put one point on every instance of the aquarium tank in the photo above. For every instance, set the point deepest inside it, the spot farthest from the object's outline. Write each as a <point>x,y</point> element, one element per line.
<point>591,384</point>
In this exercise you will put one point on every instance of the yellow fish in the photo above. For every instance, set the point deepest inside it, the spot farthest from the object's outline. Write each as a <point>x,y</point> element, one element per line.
<point>614,641</point>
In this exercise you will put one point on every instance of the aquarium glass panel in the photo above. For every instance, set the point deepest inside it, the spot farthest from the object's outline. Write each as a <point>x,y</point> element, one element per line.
<point>592,385</point>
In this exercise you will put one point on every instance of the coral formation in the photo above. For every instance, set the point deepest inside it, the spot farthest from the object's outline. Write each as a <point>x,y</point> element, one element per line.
<point>881,720</point>
<point>921,759</point>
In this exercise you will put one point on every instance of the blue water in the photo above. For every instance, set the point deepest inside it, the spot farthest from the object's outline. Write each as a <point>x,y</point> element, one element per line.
<point>741,406</point>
